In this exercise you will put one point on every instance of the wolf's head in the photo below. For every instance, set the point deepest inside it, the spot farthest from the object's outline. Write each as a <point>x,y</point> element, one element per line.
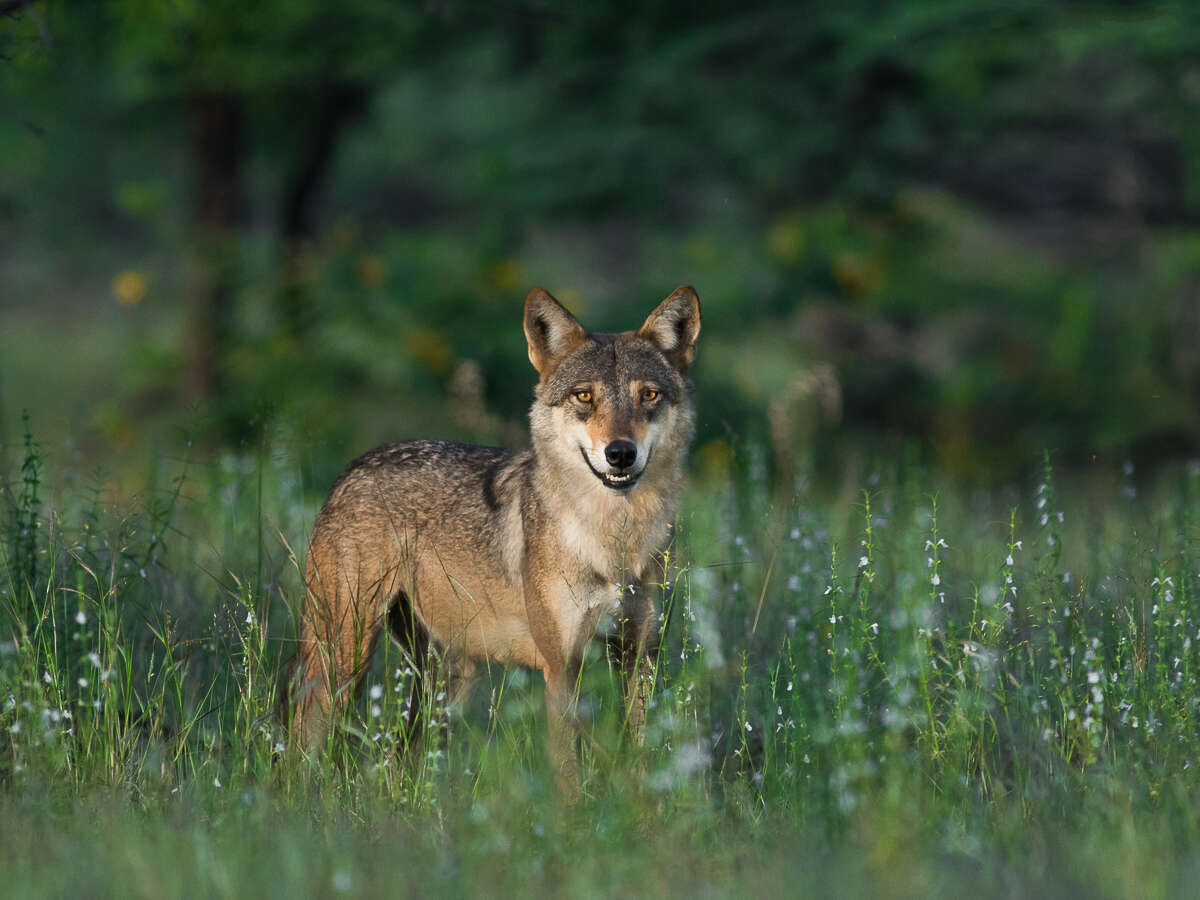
<point>615,407</point>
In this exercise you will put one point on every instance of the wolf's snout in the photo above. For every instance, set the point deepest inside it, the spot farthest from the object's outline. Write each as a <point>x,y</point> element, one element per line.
<point>621,454</point>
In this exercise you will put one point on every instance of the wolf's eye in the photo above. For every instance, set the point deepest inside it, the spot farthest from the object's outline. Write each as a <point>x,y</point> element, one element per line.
<point>583,396</point>
<point>649,395</point>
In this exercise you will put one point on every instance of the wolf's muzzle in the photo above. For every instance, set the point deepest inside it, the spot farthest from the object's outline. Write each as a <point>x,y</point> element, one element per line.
<point>617,481</point>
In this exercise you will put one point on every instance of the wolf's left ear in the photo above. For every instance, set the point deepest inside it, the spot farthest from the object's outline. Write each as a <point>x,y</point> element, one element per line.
<point>550,330</point>
<point>674,326</point>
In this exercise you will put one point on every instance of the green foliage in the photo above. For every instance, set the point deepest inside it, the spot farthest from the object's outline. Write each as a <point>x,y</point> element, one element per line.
<point>980,215</point>
<point>903,691</point>
<point>950,232</point>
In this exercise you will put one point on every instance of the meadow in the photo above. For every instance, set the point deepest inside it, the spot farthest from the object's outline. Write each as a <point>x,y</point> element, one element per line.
<point>908,687</point>
<point>905,652</point>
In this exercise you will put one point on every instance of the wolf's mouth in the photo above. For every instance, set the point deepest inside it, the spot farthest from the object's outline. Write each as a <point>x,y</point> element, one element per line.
<point>618,482</point>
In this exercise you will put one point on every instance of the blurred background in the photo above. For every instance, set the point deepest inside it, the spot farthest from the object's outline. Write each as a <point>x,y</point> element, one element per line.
<point>963,231</point>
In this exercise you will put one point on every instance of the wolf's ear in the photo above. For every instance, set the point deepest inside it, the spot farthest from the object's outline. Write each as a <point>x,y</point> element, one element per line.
<point>674,326</point>
<point>551,331</point>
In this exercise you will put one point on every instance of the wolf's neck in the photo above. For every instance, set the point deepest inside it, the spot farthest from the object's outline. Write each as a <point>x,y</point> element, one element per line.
<point>615,534</point>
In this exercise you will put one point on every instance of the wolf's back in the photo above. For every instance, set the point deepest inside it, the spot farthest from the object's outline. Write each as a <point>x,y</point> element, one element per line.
<point>453,489</point>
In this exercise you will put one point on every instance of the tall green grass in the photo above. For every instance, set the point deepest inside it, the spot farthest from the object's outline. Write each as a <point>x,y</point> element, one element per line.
<point>916,689</point>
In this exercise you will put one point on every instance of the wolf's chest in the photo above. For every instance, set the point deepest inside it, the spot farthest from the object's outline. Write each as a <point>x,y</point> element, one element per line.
<point>612,542</point>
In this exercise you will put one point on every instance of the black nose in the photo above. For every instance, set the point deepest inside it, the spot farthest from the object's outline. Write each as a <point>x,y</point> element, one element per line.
<point>621,454</point>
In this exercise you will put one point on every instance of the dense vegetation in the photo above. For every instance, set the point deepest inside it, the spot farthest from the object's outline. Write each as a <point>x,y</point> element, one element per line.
<point>930,621</point>
<point>908,692</point>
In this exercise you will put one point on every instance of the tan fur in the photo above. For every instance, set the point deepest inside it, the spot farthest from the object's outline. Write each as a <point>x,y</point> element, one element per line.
<point>510,558</point>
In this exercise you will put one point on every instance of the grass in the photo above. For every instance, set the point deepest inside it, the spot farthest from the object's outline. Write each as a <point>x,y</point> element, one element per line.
<point>919,689</point>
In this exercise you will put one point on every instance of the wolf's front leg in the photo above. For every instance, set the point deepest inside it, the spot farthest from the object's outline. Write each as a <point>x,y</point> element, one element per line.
<point>563,728</point>
<point>637,644</point>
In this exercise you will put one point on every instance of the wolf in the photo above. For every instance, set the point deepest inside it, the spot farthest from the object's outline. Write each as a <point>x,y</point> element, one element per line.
<point>485,555</point>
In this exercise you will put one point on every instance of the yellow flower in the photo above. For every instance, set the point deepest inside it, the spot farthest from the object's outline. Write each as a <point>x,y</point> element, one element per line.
<point>786,239</point>
<point>507,275</point>
<point>129,287</point>
<point>431,349</point>
<point>714,459</point>
<point>858,275</point>
<point>372,271</point>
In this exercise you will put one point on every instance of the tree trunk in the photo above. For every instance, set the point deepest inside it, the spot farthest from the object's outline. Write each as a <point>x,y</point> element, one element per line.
<point>218,154</point>
<point>336,106</point>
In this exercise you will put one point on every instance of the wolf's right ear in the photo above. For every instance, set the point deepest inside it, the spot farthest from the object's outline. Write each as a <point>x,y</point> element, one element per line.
<point>551,331</point>
<point>674,326</point>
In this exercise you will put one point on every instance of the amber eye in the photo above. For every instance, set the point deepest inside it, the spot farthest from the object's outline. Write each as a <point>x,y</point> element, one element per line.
<point>583,396</point>
<point>649,395</point>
